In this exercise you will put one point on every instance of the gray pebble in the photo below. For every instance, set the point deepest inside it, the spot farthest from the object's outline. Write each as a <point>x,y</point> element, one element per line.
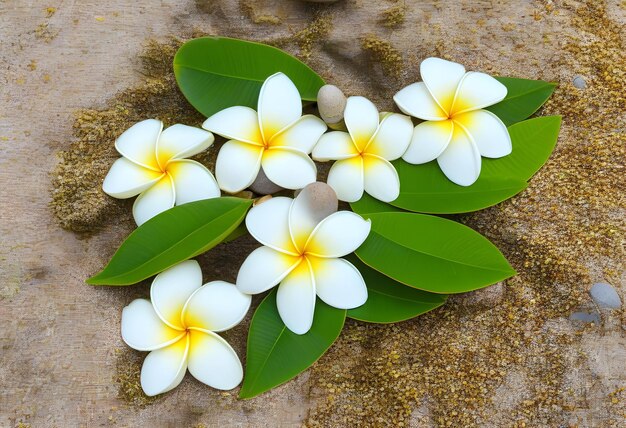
<point>593,317</point>
<point>579,82</point>
<point>263,186</point>
<point>605,296</point>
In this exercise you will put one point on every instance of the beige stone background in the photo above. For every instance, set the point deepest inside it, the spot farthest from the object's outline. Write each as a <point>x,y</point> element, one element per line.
<point>75,73</point>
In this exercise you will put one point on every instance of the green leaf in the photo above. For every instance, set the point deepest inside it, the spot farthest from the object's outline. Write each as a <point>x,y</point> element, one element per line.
<point>389,301</point>
<point>369,205</point>
<point>432,253</point>
<point>276,355</point>
<point>218,72</point>
<point>424,188</point>
<point>524,97</point>
<point>171,237</point>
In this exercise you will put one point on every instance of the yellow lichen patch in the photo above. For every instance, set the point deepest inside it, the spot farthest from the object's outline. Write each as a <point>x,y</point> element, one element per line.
<point>127,378</point>
<point>249,8</point>
<point>77,197</point>
<point>309,36</point>
<point>50,11</point>
<point>382,52</point>
<point>394,16</point>
<point>43,32</point>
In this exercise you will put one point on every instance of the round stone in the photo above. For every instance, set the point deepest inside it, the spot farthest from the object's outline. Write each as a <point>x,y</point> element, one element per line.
<point>263,186</point>
<point>579,82</point>
<point>320,199</point>
<point>605,296</point>
<point>331,103</point>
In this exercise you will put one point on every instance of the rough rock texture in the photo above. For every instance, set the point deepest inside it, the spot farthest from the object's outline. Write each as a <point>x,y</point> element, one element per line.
<point>77,73</point>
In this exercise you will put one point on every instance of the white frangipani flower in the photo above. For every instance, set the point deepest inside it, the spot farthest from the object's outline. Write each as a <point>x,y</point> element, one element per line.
<point>154,167</point>
<point>277,138</point>
<point>302,250</point>
<point>178,327</point>
<point>457,130</point>
<point>363,153</point>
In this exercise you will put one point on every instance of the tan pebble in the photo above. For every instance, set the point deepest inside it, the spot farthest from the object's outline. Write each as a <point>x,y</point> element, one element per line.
<point>331,103</point>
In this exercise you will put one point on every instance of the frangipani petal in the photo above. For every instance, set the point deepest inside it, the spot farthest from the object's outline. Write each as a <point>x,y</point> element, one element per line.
<point>279,105</point>
<point>415,100</point>
<point>143,330</point>
<point>338,283</point>
<point>181,141</point>
<point>236,123</point>
<point>126,179</point>
<point>295,299</point>
<point>309,208</point>
<point>192,181</point>
<point>216,306</point>
<point>381,178</point>
<point>213,361</point>
<point>476,91</point>
<point>392,137</point>
<point>289,168</point>
<point>338,234</point>
<point>361,117</point>
<point>263,269</point>
<point>460,161</point>
<point>237,165</point>
<point>158,198</point>
<point>346,178</point>
<point>268,223</point>
<point>487,131</point>
<point>171,289</point>
<point>429,140</point>
<point>165,368</point>
<point>301,135</point>
<point>442,79</point>
<point>138,143</point>
<point>334,145</point>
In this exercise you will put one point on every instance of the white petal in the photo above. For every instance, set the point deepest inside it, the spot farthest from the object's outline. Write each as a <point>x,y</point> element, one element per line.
<point>301,135</point>
<point>487,131</point>
<point>171,289</point>
<point>181,141</point>
<point>460,161</point>
<point>476,91</point>
<point>361,117</point>
<point>138,143</point>
<point>158,198</point>
<point>126,179</point>
<point>192,181</point>
<point>442,79</point>
<point>429,140</point>
<point>295,299</point>
<point>143,330</point>
<point>289,168</point>
<point>392,137</point>
<point>346,178</point>
<point>338,283</point>
<point>216,306</point>
<point>236,123</point>
<point>279,105</point>
<point>381,178</point>
<point>237,165</point>
<point>213,361</point>
<point>165,368</point>
<point>338,234</point>
<point>263,269</point>
<point>334,145</point>
<point>415,100</point>
<point>312,205</point>
<point>268,223</point>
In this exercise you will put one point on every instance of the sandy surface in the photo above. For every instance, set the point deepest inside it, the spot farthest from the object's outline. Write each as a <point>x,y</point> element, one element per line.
<point>507,357</point>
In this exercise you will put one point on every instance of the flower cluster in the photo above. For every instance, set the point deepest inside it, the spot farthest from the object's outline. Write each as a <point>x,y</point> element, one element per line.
<point>303,242</point>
